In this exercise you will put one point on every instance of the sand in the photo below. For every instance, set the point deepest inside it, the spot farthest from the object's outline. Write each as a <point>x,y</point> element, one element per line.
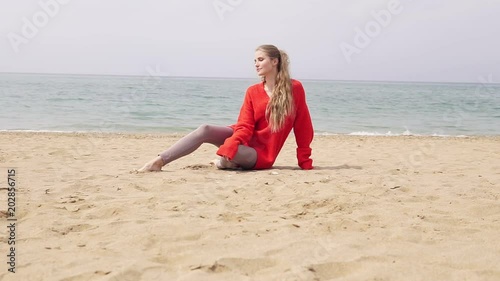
<point>375,208</point>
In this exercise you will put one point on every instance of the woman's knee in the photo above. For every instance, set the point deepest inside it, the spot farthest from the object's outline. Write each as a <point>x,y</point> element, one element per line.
<point>246,157</point>
<point>203,129</point>
<point>213,133</point>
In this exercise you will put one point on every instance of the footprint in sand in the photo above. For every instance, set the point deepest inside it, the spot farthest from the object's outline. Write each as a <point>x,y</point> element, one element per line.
<point>244,266</point>
<point>330,270</point>
<point>73,228</point>
<point>334,270</point>
<point>138,187</point>
<point>198,167</point>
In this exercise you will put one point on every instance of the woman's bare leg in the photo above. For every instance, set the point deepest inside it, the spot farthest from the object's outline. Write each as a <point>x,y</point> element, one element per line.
<point>189,143</point>
<point>215,135</point>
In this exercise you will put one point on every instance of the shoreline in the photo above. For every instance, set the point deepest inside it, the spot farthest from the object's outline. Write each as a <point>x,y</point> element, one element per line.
<point>168,134</point>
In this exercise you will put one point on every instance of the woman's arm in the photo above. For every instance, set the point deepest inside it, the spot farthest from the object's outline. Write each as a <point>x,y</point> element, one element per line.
<point>302,128</point>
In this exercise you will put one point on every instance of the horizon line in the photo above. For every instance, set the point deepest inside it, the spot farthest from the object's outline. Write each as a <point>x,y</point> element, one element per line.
<point>246,78</point>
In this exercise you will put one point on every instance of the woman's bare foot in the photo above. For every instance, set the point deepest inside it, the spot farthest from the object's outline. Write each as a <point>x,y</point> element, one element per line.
<point>152,166</point>
<point>223,163</point>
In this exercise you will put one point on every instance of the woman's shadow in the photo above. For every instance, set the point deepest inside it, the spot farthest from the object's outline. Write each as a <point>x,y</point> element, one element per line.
<point>340,167</point>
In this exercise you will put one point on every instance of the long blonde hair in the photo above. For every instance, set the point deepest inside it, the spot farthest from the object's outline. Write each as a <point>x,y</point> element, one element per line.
<point>281,104</point>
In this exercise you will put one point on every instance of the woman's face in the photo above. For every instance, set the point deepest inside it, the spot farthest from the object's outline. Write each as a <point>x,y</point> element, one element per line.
<point>264,65</point>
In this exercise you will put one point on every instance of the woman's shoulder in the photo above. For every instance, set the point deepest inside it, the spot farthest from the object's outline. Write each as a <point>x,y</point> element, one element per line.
<point>256,85</point>
<point>255,88</point>
<point>296,83</point>
<point>297,87</point>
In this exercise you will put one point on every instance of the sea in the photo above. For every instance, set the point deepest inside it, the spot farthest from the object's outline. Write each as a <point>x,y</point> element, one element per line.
<point>136,104</point>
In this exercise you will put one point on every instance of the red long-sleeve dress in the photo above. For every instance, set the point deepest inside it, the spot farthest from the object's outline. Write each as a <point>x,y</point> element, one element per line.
<point>252,129</point>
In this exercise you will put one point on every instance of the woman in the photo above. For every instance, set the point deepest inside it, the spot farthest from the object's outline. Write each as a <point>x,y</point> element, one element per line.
<point>271,109</point>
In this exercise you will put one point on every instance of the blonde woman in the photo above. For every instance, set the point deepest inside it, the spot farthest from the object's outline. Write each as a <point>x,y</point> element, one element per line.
<point>271,109</point>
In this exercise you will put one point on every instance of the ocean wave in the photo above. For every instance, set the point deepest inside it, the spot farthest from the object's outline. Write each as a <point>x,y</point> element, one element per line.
<point>43,131</point>
<point>387,134</point>
<point>186,130</point>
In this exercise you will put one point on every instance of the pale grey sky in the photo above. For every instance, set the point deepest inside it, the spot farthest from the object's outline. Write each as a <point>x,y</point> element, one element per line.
<point>396,40</point>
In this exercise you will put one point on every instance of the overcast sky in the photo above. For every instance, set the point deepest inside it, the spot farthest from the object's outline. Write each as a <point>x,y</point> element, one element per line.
<point>390,40</point>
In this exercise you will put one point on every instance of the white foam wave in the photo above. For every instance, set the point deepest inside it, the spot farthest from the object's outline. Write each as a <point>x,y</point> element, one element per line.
<point>389,134</point>
<point>357,133</point>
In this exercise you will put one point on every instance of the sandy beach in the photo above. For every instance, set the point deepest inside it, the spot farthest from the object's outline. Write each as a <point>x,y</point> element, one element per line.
<point>374,208</point>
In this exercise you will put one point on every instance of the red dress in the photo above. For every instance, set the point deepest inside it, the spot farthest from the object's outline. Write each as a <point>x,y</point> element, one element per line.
<point>252,129</point>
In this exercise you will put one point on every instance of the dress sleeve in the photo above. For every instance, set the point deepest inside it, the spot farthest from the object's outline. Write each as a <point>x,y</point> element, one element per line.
<point>243,129</point>
<point>303,129</point>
